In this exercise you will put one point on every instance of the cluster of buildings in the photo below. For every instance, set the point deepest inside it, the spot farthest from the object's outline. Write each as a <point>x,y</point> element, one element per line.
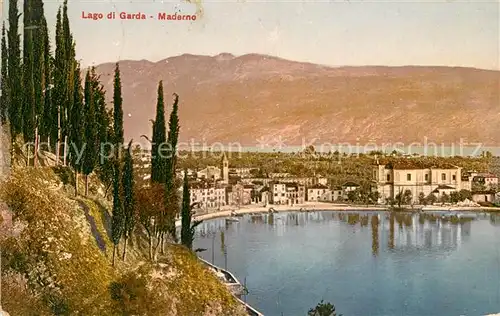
<point>214,187</point>
<point>391,178</point>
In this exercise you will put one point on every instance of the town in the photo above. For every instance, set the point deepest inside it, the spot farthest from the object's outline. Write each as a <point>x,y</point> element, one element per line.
<point>393,181</point>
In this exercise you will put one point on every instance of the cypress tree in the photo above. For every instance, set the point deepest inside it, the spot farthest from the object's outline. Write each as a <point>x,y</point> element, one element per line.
<point>14,71</point>
<point>90,127</point>
<point>118,111</point>
<point>118,216</point>
<point>59,83</point>
<point>76,140</point>
<point>69,64</point>
<point>49,121</point>
<point>39,36</point>
<point>102,116</point>
<point>158,159</point>
<point>171,197</point>
<point>128,199</point>
<point>4,98</point>
<point>187,229</point>
<point>173,136</point>
<point>105,170</point>
<point>117,222</point>
<point>28,74</point>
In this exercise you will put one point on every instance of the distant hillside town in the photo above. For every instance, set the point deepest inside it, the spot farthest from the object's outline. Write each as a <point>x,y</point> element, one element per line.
<point>404,181</point>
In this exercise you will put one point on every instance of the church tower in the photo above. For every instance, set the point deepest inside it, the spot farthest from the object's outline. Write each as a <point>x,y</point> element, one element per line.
<point>225,169</point>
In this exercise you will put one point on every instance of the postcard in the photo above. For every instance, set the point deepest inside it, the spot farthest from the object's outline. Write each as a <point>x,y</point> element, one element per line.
<point>250,157</point>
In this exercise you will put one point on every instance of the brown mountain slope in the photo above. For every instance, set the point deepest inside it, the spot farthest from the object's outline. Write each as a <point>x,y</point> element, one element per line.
<point>242,99</point>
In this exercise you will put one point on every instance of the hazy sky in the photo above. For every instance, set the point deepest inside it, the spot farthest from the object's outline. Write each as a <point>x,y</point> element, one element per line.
<point>328,32</point>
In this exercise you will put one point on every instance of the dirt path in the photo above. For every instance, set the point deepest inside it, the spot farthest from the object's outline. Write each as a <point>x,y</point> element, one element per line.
<point>93,227</point>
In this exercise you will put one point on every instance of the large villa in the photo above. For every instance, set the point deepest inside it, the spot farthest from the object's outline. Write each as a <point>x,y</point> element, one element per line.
<point>391,178</point>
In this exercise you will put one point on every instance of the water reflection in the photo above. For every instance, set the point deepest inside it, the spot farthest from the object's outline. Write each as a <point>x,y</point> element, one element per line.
<point>375,222</point>
<point>399,230</point>
<point>291,259</point>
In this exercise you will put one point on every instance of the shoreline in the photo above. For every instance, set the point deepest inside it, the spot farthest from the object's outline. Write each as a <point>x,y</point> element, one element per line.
<point>322,206</point>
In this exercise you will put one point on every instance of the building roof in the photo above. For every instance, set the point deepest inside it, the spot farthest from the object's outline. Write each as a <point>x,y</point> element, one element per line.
<point>407,164</point>
<point>318,186</point>
<point>483,192</point>
<point>350,184</point>
<point>443,187</point>
<point>485,175</point>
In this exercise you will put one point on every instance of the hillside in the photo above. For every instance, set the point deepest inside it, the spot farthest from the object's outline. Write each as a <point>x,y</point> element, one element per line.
<point>59,261</point>
<point>266,97</point>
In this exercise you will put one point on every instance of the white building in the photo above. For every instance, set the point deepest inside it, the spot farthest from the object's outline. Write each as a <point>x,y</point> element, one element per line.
<point>208,196</point>
<point>277,193</point>
<point>295,193</point>
<point>406,174</point>
<point>243,172</point>
<point>484,196</point>
<point>319,193</point>
<point>488,180</point>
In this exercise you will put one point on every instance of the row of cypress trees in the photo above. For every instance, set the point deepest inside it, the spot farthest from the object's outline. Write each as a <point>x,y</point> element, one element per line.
<point>123,216</point>
<point>164,170</point>
<point>42,95</point>
<point>43,100</point>
<point>164,162</point>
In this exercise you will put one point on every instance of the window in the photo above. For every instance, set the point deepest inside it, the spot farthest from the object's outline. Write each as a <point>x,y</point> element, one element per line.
<point>454,177</point>
<point>408,177</point>
<point>443,176</point>
<point>388,177</point>
<point>426,177</point>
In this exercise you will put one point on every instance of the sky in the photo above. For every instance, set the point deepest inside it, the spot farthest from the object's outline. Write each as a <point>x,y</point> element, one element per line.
<point>335,32</point>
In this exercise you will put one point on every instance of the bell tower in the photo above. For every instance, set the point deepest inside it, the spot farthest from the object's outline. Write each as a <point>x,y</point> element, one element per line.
<point>225,169</point>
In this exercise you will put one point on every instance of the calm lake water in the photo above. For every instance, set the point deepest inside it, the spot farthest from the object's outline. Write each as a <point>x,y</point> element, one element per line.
<point>366,263</point>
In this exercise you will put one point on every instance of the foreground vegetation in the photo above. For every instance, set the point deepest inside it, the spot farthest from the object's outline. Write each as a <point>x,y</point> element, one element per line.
<point>60,261</point>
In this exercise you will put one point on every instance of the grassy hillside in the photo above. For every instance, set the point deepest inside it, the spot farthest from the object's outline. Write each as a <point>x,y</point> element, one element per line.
<point>59,264</point>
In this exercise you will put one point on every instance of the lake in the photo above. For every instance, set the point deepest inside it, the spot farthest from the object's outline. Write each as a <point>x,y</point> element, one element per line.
<point>365,263</point>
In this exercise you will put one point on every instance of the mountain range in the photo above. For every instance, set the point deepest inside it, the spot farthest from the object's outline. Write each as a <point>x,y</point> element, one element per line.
<point>258,99</point>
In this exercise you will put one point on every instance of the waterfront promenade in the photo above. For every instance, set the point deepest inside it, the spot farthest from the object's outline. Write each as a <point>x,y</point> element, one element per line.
<point>323,206</point>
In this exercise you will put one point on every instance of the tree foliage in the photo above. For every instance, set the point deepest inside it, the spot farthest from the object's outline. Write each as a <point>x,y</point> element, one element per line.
<point>77,119</point>
<point>117,106</point>
<point>150,210</point>
<point>323,309</point>
<point>404,198</point>
<point>4,86</point>
<point>158,159</point>
<point>93,93</point>
<point>171,195</point>
<point>14,71</point>
<point>128,197</point>
<point>117,224</point>
<point>187,228</point>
